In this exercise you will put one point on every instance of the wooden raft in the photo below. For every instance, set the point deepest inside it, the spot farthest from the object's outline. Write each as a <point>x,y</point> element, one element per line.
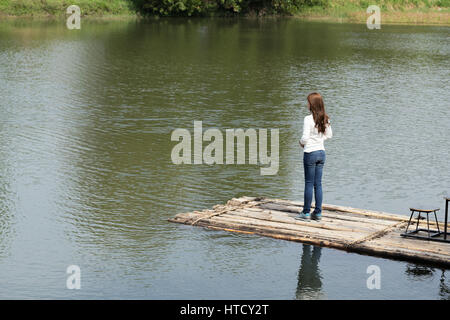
<point>350,229</point>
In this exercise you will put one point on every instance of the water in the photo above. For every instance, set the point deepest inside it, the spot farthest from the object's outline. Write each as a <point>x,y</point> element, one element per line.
<point>87,179</point>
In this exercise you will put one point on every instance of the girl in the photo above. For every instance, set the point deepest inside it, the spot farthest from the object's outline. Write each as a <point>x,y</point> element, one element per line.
<point>316,129</point>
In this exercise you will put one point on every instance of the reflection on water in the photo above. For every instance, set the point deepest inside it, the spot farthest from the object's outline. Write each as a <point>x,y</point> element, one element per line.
<point>309,279</point>
<point>85,171</point>
<point>444,287</point>
<point>420,273</point>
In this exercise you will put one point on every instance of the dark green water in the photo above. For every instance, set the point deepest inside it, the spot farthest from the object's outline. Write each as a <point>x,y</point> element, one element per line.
<point>86,176</point>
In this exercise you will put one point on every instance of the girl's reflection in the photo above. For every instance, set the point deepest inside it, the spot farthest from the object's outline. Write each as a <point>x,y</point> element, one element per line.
<point>309,279</point>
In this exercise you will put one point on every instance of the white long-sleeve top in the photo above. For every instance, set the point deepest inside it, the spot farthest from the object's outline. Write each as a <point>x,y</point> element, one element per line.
<point>311,138</point>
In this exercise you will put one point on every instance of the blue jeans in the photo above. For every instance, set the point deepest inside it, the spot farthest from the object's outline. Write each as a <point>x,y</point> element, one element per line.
<point>313,163</point>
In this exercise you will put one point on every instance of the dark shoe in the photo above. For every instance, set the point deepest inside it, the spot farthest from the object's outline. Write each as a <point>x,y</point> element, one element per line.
<point>302,216</point>
<point>315,216</point>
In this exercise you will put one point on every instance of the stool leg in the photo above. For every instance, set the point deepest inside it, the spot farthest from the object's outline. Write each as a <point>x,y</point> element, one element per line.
<point>428,225</point>
<point>446,215</point>
<point>437,223</point>
<point>418,219</point>
<point>410,217</point>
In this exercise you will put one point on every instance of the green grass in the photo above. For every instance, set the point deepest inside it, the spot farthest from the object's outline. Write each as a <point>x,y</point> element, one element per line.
<point>58,7</point>
<point>392,11</point>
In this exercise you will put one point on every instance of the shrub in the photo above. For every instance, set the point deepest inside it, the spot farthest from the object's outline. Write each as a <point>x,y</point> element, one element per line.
<point>207,7</point>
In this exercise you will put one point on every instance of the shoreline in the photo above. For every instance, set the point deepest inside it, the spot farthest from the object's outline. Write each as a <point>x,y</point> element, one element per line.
<point>412,18</point>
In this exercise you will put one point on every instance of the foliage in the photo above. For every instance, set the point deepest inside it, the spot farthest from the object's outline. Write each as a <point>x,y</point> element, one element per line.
<point>212,7</point>
<point>233,7</point>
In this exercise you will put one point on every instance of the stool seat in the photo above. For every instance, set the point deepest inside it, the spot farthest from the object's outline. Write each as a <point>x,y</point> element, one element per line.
<point>422,209</point>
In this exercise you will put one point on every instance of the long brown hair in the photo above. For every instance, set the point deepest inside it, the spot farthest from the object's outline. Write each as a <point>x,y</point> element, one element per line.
<point>318,111</point>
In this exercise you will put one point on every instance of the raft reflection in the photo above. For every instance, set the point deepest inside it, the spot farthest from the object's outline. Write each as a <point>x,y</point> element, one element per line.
<point>417,272</point>
<point>309,278</point>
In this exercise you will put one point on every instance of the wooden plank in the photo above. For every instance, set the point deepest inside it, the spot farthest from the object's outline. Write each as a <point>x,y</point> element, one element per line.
<point>394,239</point>
<point>346,235</point>
<point>337,211</point>
<point>367,213</point>
<point>325,214</point>
<point>325,223</point>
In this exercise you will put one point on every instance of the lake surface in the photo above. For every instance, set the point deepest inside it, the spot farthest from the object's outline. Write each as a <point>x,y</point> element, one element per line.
<point>86,176</point>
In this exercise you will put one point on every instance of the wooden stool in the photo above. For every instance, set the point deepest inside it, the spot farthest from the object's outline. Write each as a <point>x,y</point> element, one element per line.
<point>427,212</point>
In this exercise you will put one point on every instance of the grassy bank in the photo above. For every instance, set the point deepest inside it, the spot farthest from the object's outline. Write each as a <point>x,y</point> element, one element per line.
<point>57,8</point>
<point>392,11</point>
